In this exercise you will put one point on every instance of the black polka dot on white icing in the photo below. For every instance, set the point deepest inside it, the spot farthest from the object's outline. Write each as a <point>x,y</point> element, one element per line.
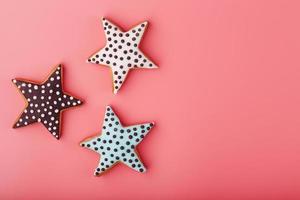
<point>121,52</point>
<point>117,143</point>
<point>45,102</point>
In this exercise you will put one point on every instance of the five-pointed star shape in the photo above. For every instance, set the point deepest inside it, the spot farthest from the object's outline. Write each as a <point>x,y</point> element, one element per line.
<point>45,102</point>
<point>117,143</point>
<point>121,52</point>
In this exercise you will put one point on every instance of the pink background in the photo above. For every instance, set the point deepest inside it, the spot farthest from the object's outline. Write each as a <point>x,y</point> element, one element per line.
<point>226,99</point>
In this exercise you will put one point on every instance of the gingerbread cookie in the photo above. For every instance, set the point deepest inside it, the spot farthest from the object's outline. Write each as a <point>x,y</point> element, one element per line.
<point>121,52</point>
<point>117,143</point>
<point>45,102</point>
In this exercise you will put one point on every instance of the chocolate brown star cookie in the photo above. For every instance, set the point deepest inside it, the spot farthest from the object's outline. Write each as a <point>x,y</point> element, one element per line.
<point>45,102</point>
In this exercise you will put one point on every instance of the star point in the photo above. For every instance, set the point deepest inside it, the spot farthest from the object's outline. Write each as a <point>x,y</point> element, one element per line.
<point>117,143</point>
<point>121,52</point>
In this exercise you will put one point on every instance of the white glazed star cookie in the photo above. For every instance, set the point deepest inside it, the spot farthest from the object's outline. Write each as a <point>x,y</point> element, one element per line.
<point>121,52</point>
<point>117,143</point>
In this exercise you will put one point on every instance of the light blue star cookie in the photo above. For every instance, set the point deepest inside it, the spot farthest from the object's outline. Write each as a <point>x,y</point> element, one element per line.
<point>117,143</point>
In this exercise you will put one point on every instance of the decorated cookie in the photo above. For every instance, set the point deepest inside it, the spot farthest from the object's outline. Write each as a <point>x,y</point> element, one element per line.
<point>117,143</point>
<point>121,52</point>
<point>45,102</point>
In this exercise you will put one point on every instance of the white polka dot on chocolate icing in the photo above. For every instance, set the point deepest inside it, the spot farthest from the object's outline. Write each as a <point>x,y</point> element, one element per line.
<point>121,52</point>
<point>117,143</point>
<point>43,102</point>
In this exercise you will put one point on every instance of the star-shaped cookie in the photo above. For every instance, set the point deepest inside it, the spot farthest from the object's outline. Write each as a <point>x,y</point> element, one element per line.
<point>117,143</point>
<point>45,102</point>
<point>121,52</point>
